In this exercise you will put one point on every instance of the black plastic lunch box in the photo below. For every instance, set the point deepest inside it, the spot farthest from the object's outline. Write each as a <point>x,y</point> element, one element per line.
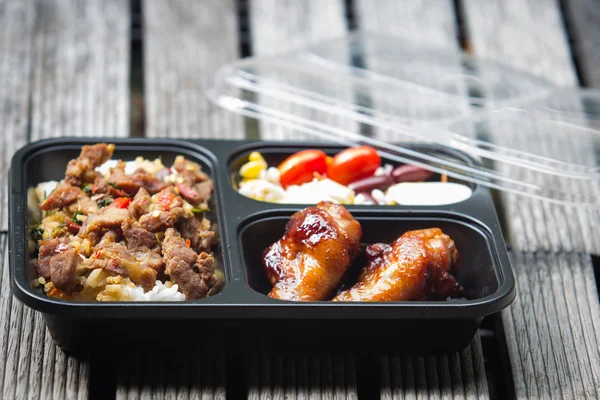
<point>246,228</point>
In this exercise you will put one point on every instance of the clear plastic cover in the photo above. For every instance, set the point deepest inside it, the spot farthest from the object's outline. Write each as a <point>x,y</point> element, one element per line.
<point>531,138</point>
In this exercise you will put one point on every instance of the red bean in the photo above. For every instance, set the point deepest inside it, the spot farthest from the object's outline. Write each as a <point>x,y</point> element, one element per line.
<point>373,182</point>
<point>410,173</point>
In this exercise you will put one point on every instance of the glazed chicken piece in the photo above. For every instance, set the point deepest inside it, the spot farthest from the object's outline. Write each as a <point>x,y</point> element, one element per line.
<point>309,261</point>
<point>419,265</point>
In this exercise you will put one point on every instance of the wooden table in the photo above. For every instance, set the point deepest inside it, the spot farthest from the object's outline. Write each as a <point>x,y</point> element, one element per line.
<point>76,68</point>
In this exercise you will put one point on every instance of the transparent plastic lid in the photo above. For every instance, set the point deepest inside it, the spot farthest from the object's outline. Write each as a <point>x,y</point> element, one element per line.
<point>531,138</point>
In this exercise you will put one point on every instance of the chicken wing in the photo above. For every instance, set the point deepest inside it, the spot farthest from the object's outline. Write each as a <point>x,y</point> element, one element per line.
<point>419,265</point>
<point>309,261</point>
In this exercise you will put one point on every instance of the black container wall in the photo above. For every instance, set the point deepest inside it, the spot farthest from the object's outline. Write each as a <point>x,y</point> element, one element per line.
<point>248,226</point>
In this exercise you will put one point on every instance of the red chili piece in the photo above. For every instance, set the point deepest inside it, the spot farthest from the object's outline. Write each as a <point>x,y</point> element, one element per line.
<point>122,202</point>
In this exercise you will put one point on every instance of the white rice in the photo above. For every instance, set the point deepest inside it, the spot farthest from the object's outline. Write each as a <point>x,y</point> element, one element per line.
<point>125,290</point>
<point>44,189</point>
<point>160,292</point>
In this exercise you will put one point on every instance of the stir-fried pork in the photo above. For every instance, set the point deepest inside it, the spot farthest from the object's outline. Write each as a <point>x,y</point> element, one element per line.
<point>120,227</point>
<point>82,169</point>
<point>192,272</point>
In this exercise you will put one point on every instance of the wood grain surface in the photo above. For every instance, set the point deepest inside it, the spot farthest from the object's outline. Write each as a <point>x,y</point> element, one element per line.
<point>184,45</point>
<point>430,23</point>
<point>277,27</point>
<point>584,20</point>
<point>16,41</point>
<point>64,71</point>
<point>65,64</point>
<point>550,330</point>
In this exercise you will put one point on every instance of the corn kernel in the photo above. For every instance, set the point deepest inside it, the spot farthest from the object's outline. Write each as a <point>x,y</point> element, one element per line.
<point>251,170</point>
<point>256,156</point>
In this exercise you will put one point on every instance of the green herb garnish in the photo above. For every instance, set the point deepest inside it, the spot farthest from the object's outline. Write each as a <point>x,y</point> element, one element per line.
<point>200,210</point>
<point>37,232</point>
<point>113,185</point>
<point>57,230</point>
<point>104,202</point>
<point>74,218</point>
<point>87,188</point>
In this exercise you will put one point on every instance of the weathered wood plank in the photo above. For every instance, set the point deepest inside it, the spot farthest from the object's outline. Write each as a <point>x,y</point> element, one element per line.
<point>431,23</point>
<point>440,377</point>
<point>530,35</point>
<point>198,375</point>
<point>584,22</point>
<point>16,37</point>
<point>81,69</point>
<point>551,329</point>
<point>277,27</point>
<point>185,43</point>
<point>275,376</point>
<point>70,62</point>
<point>281,26</point>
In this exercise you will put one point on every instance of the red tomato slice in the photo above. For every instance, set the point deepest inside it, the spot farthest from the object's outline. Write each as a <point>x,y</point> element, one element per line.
<point>353,164</point>
<point>300,168</point>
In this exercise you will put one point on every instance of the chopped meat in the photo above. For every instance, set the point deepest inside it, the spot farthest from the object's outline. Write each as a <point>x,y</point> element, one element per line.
<point>157,220</point>
<point>111,266</point>
<point>199,233</point>
<point>137,238</point>
<point>140,179</point>
<point>190,171</point>
<point>193,273</point>
<point>164,212</point>
<point>103,186</point>
<point>140,204</point>
<point>62,196</point>
<point>204,190</point>
<point>150,258</point>
<point>205,266</point>
<point>176,202</point>
<point>198,193</point>
<point>109,237</point>
<point>63,269</point>
<point>174,247</point>
<point>107,218</point>
<point>117,223</point>
<point>49,248</point>
<point>81,169</point>
<point>84,204</point>
<point>100,185</point>
<point>122,259</point>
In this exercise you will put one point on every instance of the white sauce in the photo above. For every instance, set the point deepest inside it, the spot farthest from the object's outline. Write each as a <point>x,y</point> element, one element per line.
<point>427,193</point>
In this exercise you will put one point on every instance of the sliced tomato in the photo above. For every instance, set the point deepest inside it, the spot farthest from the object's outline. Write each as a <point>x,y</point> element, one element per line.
<point>301,167</point>
<point>122,202</point>
<point>353,164</point>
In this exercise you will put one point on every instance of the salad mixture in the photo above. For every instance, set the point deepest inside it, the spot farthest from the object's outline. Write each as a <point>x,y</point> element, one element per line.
<point>353,176</point>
